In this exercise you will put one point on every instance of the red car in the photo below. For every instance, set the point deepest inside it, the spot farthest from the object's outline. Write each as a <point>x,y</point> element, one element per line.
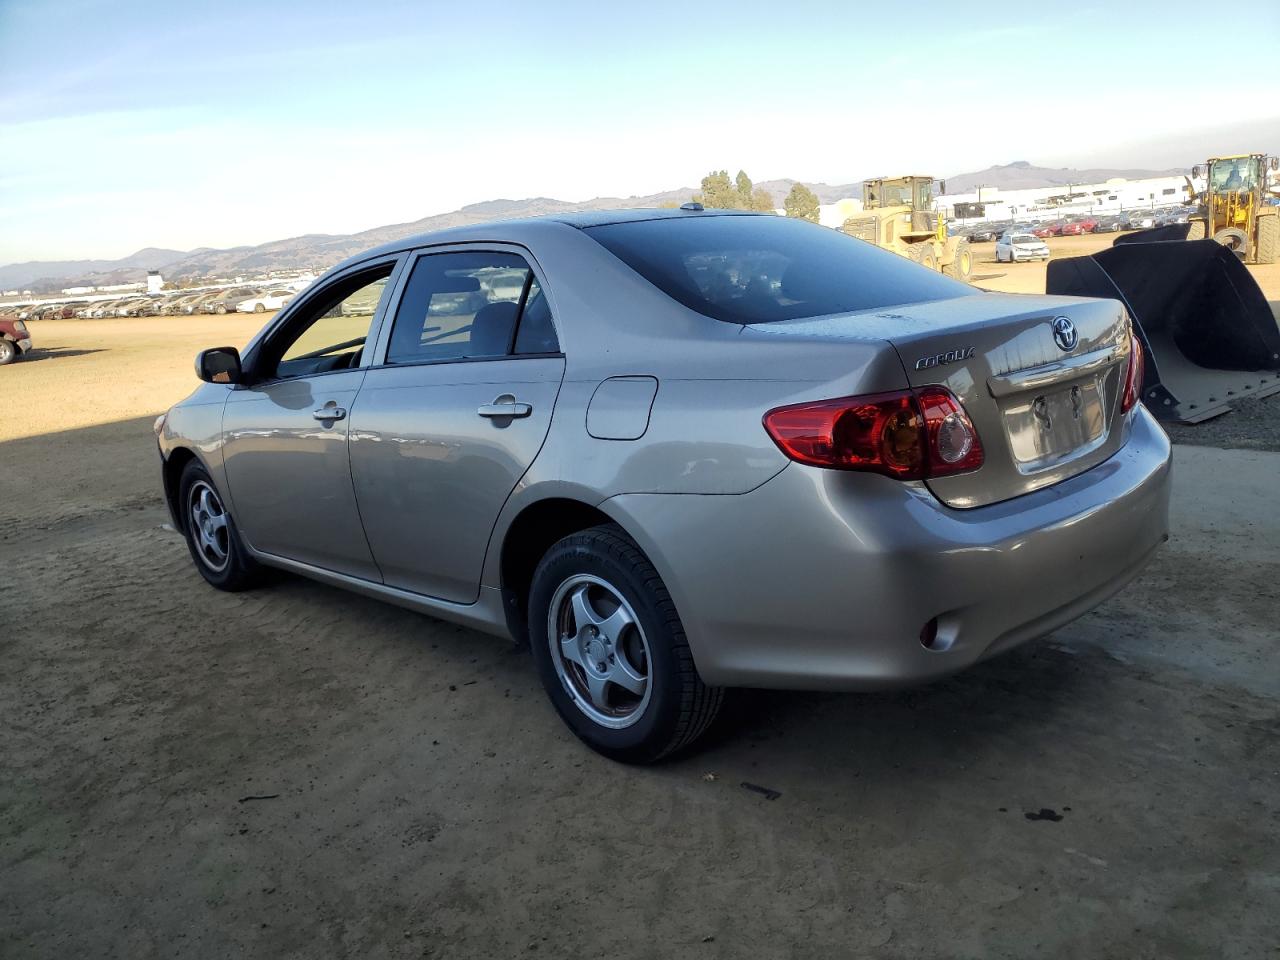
<point>1076,228</point>
<point>1048,230</point>
<point>15,339</point>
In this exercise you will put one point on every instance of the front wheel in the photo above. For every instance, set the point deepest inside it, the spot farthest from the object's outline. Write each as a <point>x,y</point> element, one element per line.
<point>211,534</point>
<point>259,308</point>
<point>962,266</point>
<point>1268,239</point>
<point>611,650</point>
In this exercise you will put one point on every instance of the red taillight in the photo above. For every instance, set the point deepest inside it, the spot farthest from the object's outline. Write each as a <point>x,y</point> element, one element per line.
<point>1133,376</point>
<point>908,434</point>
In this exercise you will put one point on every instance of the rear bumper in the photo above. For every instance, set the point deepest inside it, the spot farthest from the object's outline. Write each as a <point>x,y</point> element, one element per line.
<point>823,579</point>
<point>24,345</point>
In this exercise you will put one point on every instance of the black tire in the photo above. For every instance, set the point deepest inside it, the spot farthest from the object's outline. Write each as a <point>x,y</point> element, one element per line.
<point>680,707</point>
<point>1268,239</point>
<point>1234,239</point>
<point>239,571</point>
<point>962,266</point>
<point>8,351</point>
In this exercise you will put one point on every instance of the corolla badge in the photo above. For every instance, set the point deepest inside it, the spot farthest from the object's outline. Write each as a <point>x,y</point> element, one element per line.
<point>1064,333</point>
<point>951,356</point>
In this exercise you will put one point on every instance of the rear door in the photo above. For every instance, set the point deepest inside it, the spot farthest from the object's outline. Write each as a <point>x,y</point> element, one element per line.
<point>452,413</point>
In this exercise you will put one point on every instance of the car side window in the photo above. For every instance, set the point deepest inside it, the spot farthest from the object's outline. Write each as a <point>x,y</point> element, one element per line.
<point>459,305</point>
<point>536,333</point>
<point>329,331</point>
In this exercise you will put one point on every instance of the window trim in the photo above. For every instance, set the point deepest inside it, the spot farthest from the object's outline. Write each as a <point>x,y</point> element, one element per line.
<point>378,357</point>
<point>287,314</point>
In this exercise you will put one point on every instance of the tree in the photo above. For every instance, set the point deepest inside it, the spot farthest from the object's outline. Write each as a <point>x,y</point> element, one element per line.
<point>718,191</point>
<point>762,201</point>
<point>801,203</point>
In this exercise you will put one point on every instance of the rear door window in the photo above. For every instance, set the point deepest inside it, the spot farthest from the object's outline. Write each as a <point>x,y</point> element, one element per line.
<point>468,305</point>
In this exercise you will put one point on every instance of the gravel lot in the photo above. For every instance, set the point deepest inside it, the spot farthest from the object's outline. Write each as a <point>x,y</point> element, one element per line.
<point>298,772</point>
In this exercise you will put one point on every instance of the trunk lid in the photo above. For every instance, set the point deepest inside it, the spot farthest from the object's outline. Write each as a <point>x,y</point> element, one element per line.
<point>1045,407</point>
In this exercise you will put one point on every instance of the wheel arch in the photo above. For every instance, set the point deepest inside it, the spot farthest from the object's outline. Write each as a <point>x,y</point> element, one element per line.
<point>171,470</point>
<point>526,540</point>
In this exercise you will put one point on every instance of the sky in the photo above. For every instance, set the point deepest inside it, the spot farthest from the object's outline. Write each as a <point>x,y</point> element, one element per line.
<point>180,125</point>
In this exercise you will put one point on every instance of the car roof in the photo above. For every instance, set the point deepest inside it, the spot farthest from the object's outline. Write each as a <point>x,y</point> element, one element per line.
<point>515,230</point>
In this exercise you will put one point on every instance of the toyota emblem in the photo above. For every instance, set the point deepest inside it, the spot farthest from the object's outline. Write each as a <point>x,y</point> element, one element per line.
<point>1064,333</point>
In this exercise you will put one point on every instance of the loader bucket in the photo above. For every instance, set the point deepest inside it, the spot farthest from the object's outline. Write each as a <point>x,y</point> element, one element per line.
<point>1209,334</point>
<point>1172,231</point>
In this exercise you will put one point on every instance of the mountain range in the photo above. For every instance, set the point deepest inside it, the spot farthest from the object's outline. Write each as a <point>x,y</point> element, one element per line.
<point>319,251</point>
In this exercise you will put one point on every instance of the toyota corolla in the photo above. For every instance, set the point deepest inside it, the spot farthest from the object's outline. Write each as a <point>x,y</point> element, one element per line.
<point>679,451</point>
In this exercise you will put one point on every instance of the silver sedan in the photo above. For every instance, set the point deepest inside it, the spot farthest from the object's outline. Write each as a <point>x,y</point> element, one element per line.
<point>677,451</point>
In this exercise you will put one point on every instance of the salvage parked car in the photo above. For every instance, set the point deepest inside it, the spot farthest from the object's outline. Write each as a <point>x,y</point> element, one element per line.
<point>1078,227</point>
<point>265,301</point>
<point>15,339</point>
<point>1020,246</point>
<point>226,301</point>
<point>695,450</point>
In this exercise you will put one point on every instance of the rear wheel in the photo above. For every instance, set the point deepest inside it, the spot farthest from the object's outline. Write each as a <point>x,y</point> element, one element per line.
<point>1268,239</point>
<point>8,352</point>
<point>211,534</point>
<point>259,308</point>
<point>611,650</point>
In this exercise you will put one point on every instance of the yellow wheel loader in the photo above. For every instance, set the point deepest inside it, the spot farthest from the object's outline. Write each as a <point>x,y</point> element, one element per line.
<point>1233,208</point>
<point>897,214</point>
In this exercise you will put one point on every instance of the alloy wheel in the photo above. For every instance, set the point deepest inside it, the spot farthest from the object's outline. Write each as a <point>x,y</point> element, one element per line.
<point>599,651</point>
<point>208,525</point>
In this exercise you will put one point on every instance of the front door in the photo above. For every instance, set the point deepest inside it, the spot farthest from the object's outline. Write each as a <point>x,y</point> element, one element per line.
<point>449,421</point>
<point>285,432</point>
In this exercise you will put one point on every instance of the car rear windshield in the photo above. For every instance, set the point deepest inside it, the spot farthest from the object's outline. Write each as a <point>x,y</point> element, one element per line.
<point>762,269</point>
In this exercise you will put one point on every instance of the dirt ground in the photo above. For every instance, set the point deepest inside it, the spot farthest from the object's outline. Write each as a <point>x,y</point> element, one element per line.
<point>299,772</point>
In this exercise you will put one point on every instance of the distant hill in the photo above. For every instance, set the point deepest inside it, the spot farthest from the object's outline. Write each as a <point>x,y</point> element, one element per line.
<point>316,251</point>
<point>1021,175</point>
<point>148,258</point>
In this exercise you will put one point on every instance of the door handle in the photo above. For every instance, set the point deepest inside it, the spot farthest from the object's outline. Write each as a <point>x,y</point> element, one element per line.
<point>503,407</point>
<point>330,411</point>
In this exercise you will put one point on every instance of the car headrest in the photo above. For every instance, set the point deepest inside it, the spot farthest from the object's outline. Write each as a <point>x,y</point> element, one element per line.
<point>491,330</point>
<point>801,279</point>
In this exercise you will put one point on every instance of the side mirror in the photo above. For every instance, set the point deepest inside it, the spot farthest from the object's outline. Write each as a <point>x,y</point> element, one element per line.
<point>218,365</point>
